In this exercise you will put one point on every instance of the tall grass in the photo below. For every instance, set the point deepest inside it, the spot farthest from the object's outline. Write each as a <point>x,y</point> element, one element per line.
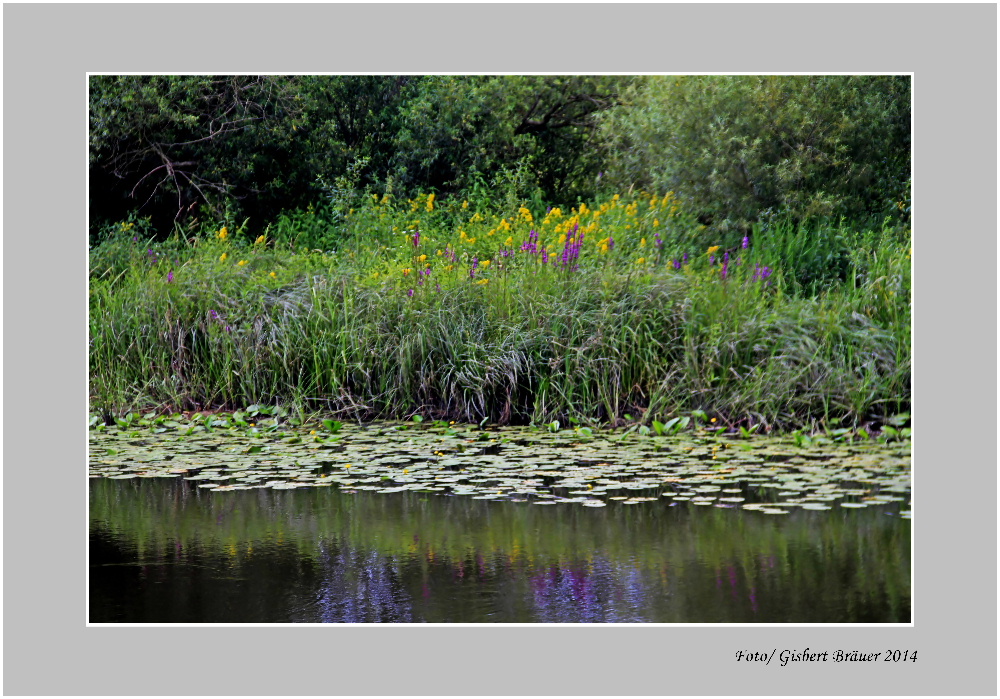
<point>395,309</point>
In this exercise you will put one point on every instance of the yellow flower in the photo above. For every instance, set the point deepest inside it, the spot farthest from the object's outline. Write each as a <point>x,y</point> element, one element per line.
<point>439,253</point>
<point>223,232</point>
<point>656,222</point>
<point>465,204</point>
<point>275,276</point>
<point>509,241</point>
<point>552,254</point>
<point>241,263</point>
<point>422,258</point>
<point>260,240</point>
<point>713,249</point>
<point>222,257</point>
<point>407,271</point>
<point>640,261</point>
<point>642,243</point>
<point>483,281</point>
<point>430,202</point>
<point>484,263</point>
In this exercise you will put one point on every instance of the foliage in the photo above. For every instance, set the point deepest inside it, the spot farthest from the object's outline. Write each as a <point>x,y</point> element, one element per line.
<point>743,148</point>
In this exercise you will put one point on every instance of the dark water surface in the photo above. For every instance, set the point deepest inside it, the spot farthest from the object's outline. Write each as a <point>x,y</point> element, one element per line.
<point>165,551</point>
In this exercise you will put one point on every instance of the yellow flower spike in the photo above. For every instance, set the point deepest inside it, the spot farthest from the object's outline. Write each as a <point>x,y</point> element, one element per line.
<point>222,257</point>
<point>642,243</point>
<point>713,249</point>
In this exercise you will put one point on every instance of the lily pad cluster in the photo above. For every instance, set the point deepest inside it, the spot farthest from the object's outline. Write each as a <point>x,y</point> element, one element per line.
<point>515,464</point>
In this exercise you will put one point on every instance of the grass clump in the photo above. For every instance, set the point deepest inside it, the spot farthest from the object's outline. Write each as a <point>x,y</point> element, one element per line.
<point>457,312</point>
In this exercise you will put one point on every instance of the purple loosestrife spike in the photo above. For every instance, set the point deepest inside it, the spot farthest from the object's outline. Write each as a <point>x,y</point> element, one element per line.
<point>677,264</point>
<point>746,242</point>
<point>725,259</point>
<point>711,259</point>
<point>685,258</point>
<point>410,292</point>
<point>725,268</point>
<point>170,277</point>
<point>416,238</point>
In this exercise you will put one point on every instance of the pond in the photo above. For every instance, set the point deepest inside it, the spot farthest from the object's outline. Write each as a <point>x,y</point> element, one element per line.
<point>415,524</point>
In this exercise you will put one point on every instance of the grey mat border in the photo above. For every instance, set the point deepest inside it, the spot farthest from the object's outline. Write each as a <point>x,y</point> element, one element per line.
<point>951,50</point>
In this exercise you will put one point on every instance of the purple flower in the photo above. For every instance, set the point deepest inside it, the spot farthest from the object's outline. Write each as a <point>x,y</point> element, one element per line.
<point>611,242</point>
<point>170,277</point>
<point>725,259</point>
<point>685,258</point>
<point>711,259</point>
<point>677,264</point>
<point>472,270</point>
<point>746,242</point>
<point>725,269</point>
<point>215,316</point>
<point>410,292</point>
<point>416,238</point>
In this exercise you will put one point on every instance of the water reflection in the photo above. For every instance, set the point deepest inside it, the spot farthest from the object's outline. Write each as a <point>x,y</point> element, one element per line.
<point>161,551</point>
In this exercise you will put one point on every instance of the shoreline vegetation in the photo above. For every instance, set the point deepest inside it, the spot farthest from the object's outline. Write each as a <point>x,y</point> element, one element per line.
<point>624,311</point>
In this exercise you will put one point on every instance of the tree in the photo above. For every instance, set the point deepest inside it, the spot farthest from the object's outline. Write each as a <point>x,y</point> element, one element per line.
<point>173,143</point>
<point>738,148</point>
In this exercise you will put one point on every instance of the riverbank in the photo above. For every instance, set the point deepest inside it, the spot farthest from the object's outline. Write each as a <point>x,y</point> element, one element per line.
<point>626,312</point>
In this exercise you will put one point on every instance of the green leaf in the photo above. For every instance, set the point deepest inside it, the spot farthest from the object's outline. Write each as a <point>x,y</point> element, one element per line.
<point>659,427</point>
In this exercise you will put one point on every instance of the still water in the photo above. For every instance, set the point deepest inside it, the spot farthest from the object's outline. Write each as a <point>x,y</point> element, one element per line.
<point>164,550</point>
